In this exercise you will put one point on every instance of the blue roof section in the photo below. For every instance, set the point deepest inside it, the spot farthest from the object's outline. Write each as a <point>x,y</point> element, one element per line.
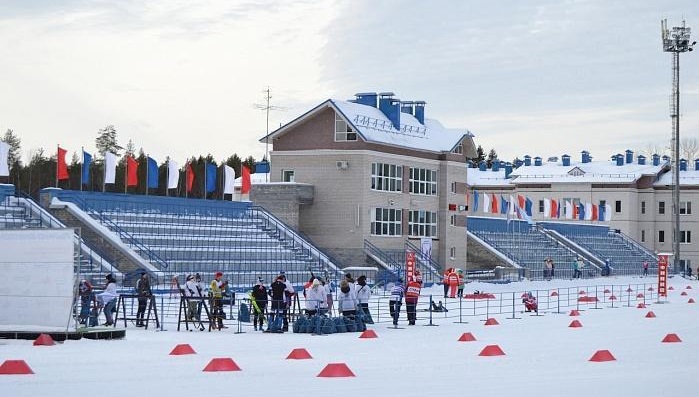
<point>372,125</point>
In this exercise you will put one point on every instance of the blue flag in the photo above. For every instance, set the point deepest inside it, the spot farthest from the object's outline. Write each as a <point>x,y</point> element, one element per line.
<point>528,207</point>
<point>475,201</point>
<point>504,205</point>
<point>87,161</point>
<point>152,173</point>
<point>210,177</point>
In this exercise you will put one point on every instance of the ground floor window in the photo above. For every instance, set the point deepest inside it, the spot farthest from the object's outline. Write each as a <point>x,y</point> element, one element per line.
<point>386,222</point>
<point>422,223</point>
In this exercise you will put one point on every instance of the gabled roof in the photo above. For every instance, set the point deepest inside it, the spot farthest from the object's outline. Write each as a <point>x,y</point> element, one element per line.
<point>372,125</point>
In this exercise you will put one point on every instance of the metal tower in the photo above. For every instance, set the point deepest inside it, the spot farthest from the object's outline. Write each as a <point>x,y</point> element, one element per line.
<point>676,41</point>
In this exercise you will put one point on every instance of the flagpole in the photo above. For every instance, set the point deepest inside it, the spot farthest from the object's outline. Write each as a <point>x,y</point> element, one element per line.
<point>167,179</point>
<point>82,164</point>
<point>147,171</point>
<point>205,179</point>
<point>186,179</point>
<point>58,146</point>
<point>104,173</point>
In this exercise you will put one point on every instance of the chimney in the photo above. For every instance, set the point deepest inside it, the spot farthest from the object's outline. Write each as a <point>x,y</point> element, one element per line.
<point>527,160</point>
<point>406,107</point>
<point>565,159</point>
<point>508,169</point>
<point>495,166</point>
<point>641,159</point>
<point>366,98</point>
<point>420,111</point>
<point>518,163</point>
<point>482,166</point>
<point>629,156</point>
<point>537,161</point>
<point>656,160</point>
<point>683,165</point>
<point>585,157</point>
<point>390,107</point>
<point>666,158</point>
<point>619,159</point>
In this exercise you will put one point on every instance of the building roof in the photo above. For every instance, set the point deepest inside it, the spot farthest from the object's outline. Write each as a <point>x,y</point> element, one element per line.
<point>373,126</point>
<point>687,178</point>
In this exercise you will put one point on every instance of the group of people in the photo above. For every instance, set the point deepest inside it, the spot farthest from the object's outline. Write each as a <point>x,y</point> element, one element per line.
<point>453,281</point>
<point>411,291</point>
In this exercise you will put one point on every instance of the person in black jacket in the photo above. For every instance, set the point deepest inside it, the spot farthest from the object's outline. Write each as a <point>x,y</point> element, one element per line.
<point>277,290</point>
<point>258,301</point>
<point>144,292</point>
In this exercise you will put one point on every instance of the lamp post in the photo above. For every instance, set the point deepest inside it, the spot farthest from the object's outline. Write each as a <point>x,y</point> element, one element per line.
<point>675,41</point>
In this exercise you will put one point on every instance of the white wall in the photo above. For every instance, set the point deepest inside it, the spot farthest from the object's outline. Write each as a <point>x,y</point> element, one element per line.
<point>37,282</point>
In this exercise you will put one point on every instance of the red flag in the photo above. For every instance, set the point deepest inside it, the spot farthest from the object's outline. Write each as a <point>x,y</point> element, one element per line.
<point>61,167</point>
<point>131,171</point>
<point>494,206</point>
<point>554,208</point>
<point>594,212</point>
<point>189,177</point>
<point>245,188</point>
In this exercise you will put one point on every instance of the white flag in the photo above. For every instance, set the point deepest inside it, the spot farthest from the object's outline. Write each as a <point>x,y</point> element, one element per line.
<point>588,211</point>
<point>607,212</point>
<point>228,180</point>
<point>569,210</point>
<point>547,208</point>
<point>110,162</point>
<point>486,203</point>
<point>4,153</point>
<point>173,174</point>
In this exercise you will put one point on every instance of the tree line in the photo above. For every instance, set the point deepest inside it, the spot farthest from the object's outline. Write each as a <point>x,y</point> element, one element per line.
<point>40,171</point>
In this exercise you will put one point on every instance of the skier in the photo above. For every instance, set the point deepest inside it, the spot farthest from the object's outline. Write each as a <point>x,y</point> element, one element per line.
<point>396,300</point>
<point>144,292</point>
<point>258,300</point>
<point>412,293</point>
<point>216,293</point>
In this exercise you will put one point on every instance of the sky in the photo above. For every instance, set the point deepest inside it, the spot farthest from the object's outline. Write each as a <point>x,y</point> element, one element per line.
<point>182,78</point>
<point>543,355</point>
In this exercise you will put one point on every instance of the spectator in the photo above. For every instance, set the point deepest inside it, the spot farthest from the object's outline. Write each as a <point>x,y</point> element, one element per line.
<point>453,280</point>
<point>347,300</point>
<point>258,301</point>
<point>316,302</point>
<point>396,301</point>
<point>607,269</point>
<point>553,267</point>
<point>548,268</point>
<point>144,292</point>
<point>645,268</point>
<point>108,299</point>
<point>460,287</point>
<point>216,293</point>
<point>192,289</point>
<point>289,292</point>
<point>577,273</point>
<point>86,296</point>
<point>363,295</point>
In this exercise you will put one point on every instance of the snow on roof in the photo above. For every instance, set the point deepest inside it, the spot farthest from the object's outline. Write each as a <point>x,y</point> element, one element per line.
<point>576,172</point>
<point>255,179</point>
<point>687,178</point>
<point>373,125</point>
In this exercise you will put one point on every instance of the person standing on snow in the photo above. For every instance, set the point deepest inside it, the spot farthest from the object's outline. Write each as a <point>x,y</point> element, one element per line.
<point>363,295</point>
<point>258,301</point>
<point>453,279</point>
<point>412,294</point>
<point>396,300</point>
<point>108,299</point>
<point>144,292</point>
<point>216,290</point>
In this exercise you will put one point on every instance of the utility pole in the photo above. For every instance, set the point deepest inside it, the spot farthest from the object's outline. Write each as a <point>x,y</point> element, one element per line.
<point>675,41</point>
<point>267,107</point>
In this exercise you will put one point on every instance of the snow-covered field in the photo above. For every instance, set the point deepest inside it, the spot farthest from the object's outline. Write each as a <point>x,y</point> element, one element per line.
<point>543,356</point>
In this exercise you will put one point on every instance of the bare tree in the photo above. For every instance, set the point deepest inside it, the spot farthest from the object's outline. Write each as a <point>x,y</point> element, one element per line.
<point>689,148</point>
<point>652,148</point>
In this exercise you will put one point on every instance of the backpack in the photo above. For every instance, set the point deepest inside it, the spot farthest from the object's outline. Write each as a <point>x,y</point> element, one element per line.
<point>361,327</point>
<point>350,323</point>
<point>328,325</point>
<point>300,325</point>
<point>340,326</point>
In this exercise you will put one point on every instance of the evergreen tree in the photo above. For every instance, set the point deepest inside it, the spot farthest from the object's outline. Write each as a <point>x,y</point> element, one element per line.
<point>480,155</point>
<point>250,163</point>
<point>492,156</point>
<point>106,141</point>
<point>15,146</point>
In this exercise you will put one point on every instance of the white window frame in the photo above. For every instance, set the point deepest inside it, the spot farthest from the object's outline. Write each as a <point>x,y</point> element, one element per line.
<point>423,181</point>
<point>422,223</point>
<point>685,208</point>
<point>343,131</point>
<point>386,222</point>
<point>685,237</point>
<point>388,176</point>
<point>288,175</point>
<point>452,253</point>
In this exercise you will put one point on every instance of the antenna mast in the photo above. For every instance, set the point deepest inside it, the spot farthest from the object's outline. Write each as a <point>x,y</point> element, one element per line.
<point>267,107</point>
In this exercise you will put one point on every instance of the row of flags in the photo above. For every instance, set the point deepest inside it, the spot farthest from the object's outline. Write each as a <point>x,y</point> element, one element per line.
<point>520,207</point>
<point>110,164</point>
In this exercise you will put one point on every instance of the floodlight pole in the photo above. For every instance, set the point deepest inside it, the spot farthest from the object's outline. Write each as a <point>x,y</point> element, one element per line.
<point>676,41</point>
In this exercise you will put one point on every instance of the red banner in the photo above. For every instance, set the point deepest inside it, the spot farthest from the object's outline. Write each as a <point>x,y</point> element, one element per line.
<point>409,265</point>
<point>61,166</point>
<point>662,275</point>
<point>131,171</point>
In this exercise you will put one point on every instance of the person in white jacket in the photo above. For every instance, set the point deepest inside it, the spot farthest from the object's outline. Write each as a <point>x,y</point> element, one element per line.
<point>363,295</point>
<point>108,299</point>
<point>316,299</point>
<point>347,300</point>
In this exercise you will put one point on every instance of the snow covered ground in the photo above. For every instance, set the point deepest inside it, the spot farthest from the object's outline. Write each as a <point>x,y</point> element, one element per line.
<point>543,356</point>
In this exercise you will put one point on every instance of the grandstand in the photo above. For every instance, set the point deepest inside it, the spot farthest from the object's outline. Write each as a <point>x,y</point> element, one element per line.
<point>625,256</point>
<point>179,236</point>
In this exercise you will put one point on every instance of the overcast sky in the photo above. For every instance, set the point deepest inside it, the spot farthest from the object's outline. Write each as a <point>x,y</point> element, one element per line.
<point>181,78</point>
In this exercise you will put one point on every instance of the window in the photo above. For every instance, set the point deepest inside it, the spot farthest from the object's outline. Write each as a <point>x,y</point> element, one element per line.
<point>643,236</point>
<point>422,223</point>
<point>386,222</point>
<point>685,236</point>
<point>452,253</point>
<point>287,175</point>
<point>661,236</point>
<point>643,207</point>
<point>386,177</point>
<point>541,206</point>
<point>685,207</point>
<point>661,207</point>
<point>343,131</point>
<point>617,206</point>
<point>423,181</point>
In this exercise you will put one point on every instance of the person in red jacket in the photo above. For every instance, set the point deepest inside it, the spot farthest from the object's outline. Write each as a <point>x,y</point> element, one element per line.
<point>453,280</point>
<point>412,293</point>
<point>445,281</point>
